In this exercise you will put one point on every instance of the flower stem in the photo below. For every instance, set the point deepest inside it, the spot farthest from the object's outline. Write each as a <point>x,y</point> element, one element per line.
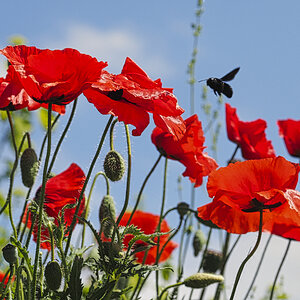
<point>142,189</point>
<point>111,134</point>
<point>88,202</point>
<point>239,273</point>
<point>258,267</point>
<point>128,176</point>
<point>169,287</point>
<point>279,268</point>
<point>159,223</point>
<point>86,182</point>
<point>41,204</point>
<point>63,136</point>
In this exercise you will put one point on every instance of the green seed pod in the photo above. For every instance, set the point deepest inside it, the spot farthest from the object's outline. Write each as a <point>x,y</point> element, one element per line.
<point>212,261</point>
<point>53,275</point>
<point>10,254</point>
<point>182,209</point>
<point>107,215</point>
<point>29,167</point>
<point>114,165</point>
<point>198,241</point>
<point>202,280</point>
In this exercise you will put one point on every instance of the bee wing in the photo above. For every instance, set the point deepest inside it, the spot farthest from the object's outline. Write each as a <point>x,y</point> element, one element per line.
<point>227,90</point>
<point>230,75</point>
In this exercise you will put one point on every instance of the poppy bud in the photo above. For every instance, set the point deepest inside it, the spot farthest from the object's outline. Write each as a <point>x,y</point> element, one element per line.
<point>182,209</point>
<point>107,214</point>
<point>10,253</point>
<point>212,261</point>
<point>53,275</point>
<point>114,165</point>
<point>29,167</point>
<point>198,241</point>
<point>202,280</point>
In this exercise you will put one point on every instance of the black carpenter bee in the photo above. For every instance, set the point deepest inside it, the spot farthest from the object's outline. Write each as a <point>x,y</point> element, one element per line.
<point>219,86</point>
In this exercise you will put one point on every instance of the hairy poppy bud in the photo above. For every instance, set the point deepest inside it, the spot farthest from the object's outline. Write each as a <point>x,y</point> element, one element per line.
<point>114,165</point>
<point>182,209</point>
<point>212,261</point>
<point>53,275</point>
<point>29,167</point>
<point>198,241</point>
<point>107,215</point>
<point>202,280</point>
<point>10,253</point>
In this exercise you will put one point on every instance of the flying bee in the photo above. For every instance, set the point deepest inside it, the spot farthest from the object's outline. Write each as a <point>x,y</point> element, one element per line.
<point>219,86</point>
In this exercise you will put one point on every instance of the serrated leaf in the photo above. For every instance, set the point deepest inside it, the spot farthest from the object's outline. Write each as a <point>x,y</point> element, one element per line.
<point>75,284</point>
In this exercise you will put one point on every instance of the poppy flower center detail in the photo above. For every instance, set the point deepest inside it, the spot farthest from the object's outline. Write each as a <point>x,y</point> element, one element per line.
<point>53,100</point>
<point>258,206</point>
<point>115,95</point>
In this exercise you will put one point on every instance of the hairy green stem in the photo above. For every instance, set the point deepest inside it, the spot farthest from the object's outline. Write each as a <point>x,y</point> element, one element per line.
<point>86,182</point>
<point>41,204</point>
<point>258,267</point>
<point>239,273</point>
<point>142,189</point>
<point>63,136</point>
<point>279,268</point>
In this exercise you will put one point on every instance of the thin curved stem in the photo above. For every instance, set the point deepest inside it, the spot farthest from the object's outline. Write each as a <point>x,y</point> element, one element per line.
<point>258,267</point>
<point>86,182</point>
<point>127,193</point>
<point>169,287</point>
<point>63,136</point>
<point>239,273</point>
<point>159,223</point>
<point>142,189</point>
<point>111,134</point>
<point>41,204</point>
<point>88,202</point>
<point>279,268</point>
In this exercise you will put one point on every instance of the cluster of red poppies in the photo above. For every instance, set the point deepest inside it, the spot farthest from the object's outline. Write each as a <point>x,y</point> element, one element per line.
<point>37,78</point>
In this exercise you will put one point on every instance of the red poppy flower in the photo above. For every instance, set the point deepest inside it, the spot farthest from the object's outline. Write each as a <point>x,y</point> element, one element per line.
<point>14,97</point>
<point>61,190</point>
<point>148,224</point>
<point>2,274</point>
<point>131,95</point>
<point>56,76</point>
<point>250,136</point>
<point>188,150</point>
<point>241,189</point>
<point>290,131</point>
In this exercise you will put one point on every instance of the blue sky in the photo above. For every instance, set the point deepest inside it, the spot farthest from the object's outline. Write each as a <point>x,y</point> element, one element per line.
<point>262,37</point>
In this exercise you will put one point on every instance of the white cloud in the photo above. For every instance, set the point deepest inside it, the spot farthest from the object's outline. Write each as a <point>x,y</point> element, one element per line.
<point>113,46</point>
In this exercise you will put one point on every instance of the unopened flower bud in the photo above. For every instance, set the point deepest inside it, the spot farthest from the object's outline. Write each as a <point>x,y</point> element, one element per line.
<point>53,275</point>
<point>198,241</point>
<point>202,280</point>
<point>114,165</point>
<point>107,215</point>
<point>182,209</point>
<point>10,253</point>
<point>29,167</point>
<point>212,261</point>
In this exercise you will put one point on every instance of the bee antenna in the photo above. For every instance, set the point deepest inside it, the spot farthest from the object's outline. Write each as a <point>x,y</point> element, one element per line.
<point>202,80</point>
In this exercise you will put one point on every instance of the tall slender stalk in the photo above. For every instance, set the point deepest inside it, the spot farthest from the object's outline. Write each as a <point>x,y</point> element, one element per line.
<point>279,268</point>
<point>41,204</point>
<point>86,182</point>
<point>239,273</point>
<point>159,223</point>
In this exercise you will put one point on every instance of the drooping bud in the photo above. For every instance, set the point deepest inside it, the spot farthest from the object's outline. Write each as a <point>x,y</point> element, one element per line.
<point>107,215</point>
<point>29,167</point>
<point>202,280</point>
<point>10,254</point>
<point>114,165</point>
<point>198,241</point>
<point>182,209</point>
<point>212,261</point>
<point>53,275</point>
